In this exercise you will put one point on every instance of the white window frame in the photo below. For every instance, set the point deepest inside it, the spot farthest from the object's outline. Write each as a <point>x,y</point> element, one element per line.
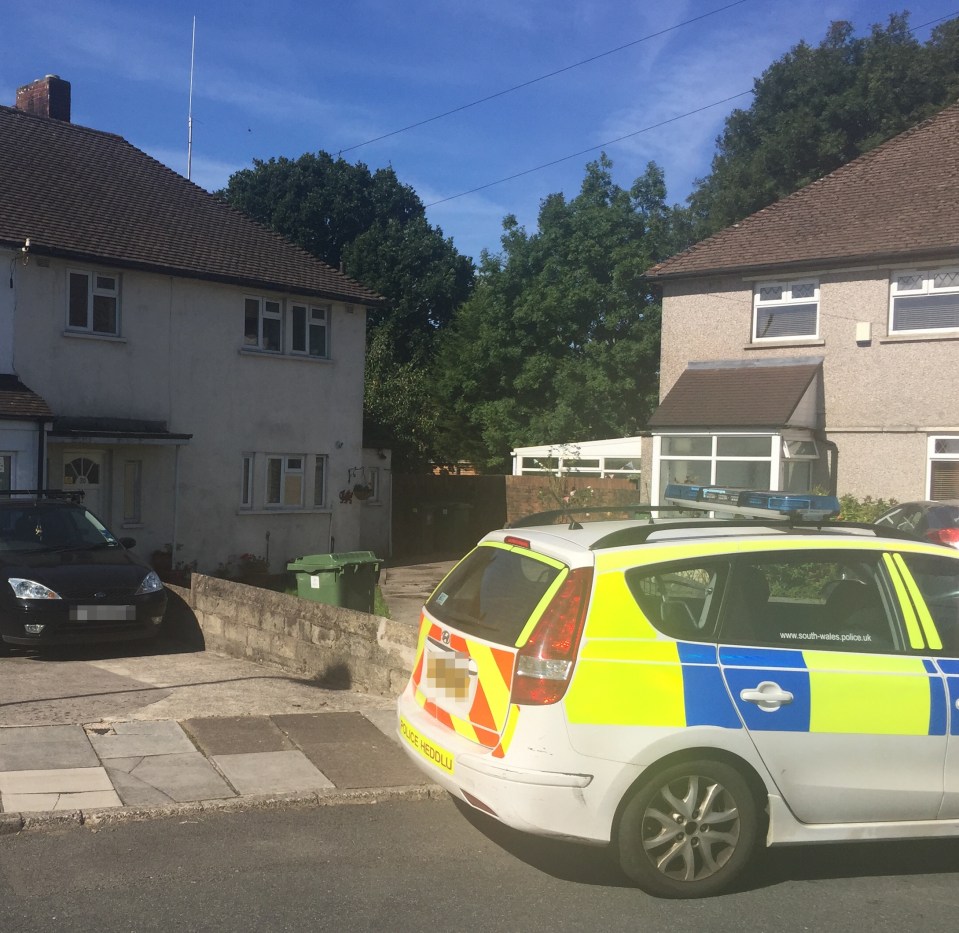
<point>278,332</point>
<point>268,310</point>
<point>246,481</point>
<point>316,319</point>
<point>95,289</point>
<point>10,455</point>
<point>783,303</point>
<point>321,472</point>
<point>289,470</point>
<point>372,476</point>
<point>925,285</point>
<point>933,456</point>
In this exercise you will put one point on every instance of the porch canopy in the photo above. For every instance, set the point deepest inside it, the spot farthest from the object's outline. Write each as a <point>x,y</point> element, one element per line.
<point>742,395</point>
<point>117,431</point>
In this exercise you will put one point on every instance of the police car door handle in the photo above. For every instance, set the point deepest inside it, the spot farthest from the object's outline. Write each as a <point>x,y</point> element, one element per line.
<point>767,696</point>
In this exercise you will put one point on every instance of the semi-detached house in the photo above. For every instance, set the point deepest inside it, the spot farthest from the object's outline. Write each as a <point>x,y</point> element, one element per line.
<point>197,376</point>
<point>816,343</point>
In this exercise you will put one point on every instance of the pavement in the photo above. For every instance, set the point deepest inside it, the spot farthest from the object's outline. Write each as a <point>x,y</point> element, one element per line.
<point>93,737</point>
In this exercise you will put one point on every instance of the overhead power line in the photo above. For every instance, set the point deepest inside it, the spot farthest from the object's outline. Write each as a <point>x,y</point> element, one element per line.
<point>582,152</point>
<point>544,77</point>
<point>645,129</point>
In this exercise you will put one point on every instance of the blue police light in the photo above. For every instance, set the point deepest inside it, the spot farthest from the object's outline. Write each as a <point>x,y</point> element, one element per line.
<point>752,501</point>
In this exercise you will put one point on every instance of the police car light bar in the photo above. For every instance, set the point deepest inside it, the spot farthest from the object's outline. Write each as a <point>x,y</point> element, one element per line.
<point>757,503</point>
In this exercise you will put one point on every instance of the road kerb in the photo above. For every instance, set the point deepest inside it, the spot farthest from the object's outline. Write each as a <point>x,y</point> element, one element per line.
<point>95,819</point>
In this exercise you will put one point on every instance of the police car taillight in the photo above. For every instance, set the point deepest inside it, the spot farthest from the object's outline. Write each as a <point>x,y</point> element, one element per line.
<point>545,663</point>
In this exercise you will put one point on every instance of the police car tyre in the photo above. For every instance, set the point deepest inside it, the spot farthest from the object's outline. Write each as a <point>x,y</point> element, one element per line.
<point>689,830</point>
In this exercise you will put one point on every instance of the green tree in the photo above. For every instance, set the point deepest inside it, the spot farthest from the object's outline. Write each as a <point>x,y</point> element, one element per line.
<point>375,228</point>
<point>817,108</point>
<point>560,339</point>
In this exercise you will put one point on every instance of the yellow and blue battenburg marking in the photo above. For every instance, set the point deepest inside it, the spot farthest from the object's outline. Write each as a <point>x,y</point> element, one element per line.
<point>704,692</point>
<point>839,692</point>
<point>950,668</point>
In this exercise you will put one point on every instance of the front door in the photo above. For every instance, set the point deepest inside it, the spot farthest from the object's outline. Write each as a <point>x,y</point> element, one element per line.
<point>83,470</point>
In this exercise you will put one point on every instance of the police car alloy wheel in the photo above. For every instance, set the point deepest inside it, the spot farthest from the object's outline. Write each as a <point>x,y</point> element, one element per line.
<point>689,830</point>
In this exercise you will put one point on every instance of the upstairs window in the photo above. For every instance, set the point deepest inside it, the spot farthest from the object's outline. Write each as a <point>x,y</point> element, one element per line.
<point>925,301</point>
<point>786,311</point>
<point>309,326</point>
<point>296,329</point>
<point>93,303</point>
<point>263,325</point>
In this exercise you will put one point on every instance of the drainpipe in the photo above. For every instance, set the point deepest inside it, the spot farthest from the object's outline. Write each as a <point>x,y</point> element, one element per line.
<point>41,452</point>
<point>833,465</point>
<point>176,501</point>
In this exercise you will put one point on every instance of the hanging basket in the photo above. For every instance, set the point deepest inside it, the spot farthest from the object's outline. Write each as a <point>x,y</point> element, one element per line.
<point>362,492</point>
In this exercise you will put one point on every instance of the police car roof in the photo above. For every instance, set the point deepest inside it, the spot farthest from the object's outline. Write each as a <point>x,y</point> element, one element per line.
<point>600,535</point>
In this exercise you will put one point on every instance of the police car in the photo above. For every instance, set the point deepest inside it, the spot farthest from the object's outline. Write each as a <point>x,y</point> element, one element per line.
<point>686,690</point>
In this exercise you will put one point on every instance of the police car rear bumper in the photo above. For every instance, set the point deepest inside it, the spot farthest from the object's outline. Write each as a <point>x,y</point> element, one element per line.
<point>546,803</point>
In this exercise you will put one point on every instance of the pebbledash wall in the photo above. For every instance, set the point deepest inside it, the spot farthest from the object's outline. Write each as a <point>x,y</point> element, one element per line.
<point>338,648</point>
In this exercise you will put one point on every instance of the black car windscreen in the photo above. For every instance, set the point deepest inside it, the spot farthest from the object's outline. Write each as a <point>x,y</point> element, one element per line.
<point>492,593</point>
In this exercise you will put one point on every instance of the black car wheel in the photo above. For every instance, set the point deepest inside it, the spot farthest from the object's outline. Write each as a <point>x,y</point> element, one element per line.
<point>689,830</point>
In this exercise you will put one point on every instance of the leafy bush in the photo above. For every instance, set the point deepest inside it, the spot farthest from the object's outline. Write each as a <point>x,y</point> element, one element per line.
<point>862,510</point>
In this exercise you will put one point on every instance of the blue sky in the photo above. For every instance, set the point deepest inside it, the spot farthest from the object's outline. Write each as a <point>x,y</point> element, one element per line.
<point>285,77</point>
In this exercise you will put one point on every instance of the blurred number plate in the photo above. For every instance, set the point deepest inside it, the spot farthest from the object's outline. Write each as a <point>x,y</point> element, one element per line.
<point>103,613</point>
<point>429,750</point>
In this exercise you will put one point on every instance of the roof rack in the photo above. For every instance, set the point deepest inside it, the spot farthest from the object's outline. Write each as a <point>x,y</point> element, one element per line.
<point>632,510</point>
<point>71,495</point>
<point>784,524</point>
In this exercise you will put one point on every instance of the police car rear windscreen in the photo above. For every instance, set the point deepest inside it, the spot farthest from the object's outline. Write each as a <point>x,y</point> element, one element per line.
<point>492,593</point>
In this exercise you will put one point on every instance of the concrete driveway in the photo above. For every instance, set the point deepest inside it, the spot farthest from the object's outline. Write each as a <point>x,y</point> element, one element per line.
<point>168,680</point>
<point>155,682</point>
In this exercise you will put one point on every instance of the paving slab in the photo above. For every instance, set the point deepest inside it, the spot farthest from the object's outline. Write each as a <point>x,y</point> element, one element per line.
<point>34,748</point>
<point>182,777</point>
<point>272,772</point>
<point>384,720</point>
<point>325,728</point>
<point>363,764</point>
<point>54,781</point>
<point>237,735</point>
<point>132,791</point>
<point>14,803</point>
<point>132,739</point>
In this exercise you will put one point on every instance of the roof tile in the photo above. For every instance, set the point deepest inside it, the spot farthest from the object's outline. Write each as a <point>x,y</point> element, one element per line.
<point>734,396</point>
<point>897,202</point>
<point>98,198</point>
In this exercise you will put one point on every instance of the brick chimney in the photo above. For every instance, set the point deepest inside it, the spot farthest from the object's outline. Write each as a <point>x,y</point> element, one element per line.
<point>46,97</point>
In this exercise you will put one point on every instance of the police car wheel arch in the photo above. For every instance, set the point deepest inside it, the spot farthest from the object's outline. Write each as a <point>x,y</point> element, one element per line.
<point>689,829</point>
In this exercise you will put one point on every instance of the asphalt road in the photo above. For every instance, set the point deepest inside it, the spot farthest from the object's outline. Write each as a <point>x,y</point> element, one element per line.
<point>418,866</point>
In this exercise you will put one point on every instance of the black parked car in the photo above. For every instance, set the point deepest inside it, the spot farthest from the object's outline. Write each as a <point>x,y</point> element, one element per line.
<point>65,579</point>
<point>935,521</point>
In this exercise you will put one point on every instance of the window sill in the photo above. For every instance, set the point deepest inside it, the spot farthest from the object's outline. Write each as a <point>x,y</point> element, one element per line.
<point>322,510</point>
<point>290,357</point>
<point>778,344</point>
<point>917,338</point>
<point>85,335</point>
<point>132,525</point>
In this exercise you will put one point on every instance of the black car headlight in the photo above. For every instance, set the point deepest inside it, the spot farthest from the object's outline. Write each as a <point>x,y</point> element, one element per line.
<point>30,589</point>
<point>151,584</point>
